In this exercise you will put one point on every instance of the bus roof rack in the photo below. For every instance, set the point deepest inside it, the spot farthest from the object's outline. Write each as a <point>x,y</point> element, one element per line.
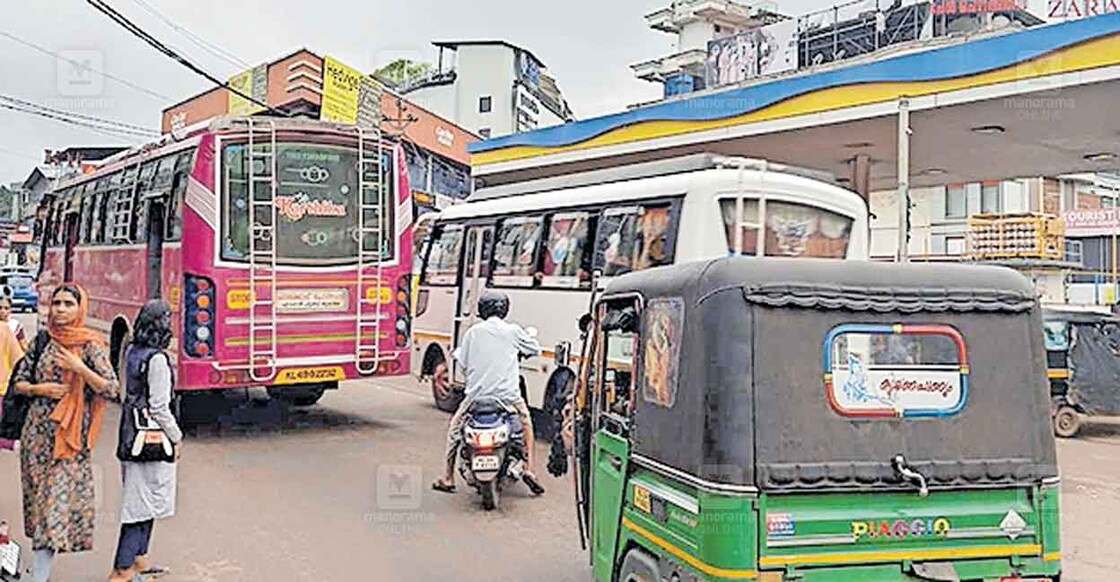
<point>665,167</point>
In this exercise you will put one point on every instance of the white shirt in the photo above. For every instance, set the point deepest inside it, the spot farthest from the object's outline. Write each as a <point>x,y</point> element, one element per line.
<point>489,352</point>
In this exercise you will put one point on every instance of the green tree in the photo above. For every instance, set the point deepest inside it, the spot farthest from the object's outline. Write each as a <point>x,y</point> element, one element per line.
<point>6,196</point>
<point>400,71</point>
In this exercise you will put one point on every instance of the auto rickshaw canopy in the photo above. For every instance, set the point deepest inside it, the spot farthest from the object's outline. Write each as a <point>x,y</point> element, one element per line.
<point>740,395</point>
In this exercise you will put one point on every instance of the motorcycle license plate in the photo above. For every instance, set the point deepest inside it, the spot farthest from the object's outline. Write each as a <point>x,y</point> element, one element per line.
<point>485,463</point>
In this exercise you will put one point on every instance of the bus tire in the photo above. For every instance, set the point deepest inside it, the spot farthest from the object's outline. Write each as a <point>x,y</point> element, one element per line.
<point>638,566</point>
<point>444,394</point>
<point>1067,422</point>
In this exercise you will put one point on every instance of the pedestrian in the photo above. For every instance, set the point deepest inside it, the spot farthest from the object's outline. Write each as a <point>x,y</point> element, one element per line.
<point>70,382</point>
<point>12,323</point>
<point>149,487</point>
<point>10,354</point>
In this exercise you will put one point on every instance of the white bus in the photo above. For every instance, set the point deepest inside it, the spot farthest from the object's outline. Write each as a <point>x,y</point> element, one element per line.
<point>540,242</point>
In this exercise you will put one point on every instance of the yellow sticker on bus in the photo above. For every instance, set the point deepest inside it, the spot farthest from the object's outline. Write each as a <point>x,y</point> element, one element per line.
<point>238,299</point>
<point>382,295</point>
<point>310,375</point>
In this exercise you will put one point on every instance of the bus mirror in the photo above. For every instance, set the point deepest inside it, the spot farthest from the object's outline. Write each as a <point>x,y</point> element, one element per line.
<point>584,322</point>
<point>563,353</point>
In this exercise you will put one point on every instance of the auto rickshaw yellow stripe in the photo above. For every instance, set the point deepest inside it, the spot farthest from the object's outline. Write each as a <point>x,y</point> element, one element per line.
<point>945,553</point>
<point>687,557</point>
<point>1051,557</point>
<point>1057,374</point>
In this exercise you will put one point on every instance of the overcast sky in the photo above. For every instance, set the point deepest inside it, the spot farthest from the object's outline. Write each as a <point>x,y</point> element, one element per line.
<point>587,44</point>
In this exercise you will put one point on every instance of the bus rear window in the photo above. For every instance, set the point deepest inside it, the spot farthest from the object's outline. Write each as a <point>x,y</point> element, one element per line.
<point>633,238</point>
<point>792,230</point>
<point>796,230</point>
<point>443,258</point>
<point>316,204</point>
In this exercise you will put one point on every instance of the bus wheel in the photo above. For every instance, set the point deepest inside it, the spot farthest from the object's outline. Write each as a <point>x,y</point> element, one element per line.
<point>639,566</point>
<point>297,395</point>
<point>1067,422</point>
<point>446,397</point>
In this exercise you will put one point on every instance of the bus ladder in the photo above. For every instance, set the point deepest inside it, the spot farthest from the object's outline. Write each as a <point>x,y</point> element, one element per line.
<point>371,225</point>
<point>263,183</point>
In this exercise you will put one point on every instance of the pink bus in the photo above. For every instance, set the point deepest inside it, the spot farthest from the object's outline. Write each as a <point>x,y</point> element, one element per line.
<point>283,245</point>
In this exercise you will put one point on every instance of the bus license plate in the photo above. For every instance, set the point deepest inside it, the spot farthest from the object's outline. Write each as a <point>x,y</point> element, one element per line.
<point>485,463</point>
<point>311,375</point>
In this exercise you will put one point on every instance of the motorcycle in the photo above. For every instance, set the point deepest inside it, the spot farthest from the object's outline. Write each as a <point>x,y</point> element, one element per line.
<point>494,451</point>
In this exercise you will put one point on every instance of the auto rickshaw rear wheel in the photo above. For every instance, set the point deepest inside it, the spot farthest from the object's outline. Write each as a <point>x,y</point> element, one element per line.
<point>639,566</point>
<point>1067,422</point>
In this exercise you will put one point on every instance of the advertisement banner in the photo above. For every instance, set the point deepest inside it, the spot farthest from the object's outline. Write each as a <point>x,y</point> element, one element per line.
<point>1091,222</point>
<point>349,96</point>
<point>762,51</point>
<point>253,82</point>
<point>777,47</point>
<point>341,88</point>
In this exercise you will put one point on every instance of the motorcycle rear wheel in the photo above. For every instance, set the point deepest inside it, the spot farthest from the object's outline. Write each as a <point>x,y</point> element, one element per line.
<point>490,495</point>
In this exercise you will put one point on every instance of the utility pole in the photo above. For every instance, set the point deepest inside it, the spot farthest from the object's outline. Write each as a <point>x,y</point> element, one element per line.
<point>903,179</point>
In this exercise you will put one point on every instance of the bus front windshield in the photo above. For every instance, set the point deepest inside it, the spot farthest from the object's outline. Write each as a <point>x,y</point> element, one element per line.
<point>316,202</point>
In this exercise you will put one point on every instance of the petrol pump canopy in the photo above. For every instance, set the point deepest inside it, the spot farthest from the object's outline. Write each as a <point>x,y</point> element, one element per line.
<point>1003,105</point>
<point>770,376</point>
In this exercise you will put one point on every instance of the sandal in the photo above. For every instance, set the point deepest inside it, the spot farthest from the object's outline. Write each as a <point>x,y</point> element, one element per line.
<point>534,485</point>
<point>155,570</point>
<point>443,487</point>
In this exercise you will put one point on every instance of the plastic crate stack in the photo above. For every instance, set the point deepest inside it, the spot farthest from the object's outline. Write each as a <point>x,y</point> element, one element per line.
<point>1010,236</point>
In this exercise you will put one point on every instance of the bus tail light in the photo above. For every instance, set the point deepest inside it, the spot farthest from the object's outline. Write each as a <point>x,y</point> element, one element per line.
<point>403,325</point>
<point>198,332</point>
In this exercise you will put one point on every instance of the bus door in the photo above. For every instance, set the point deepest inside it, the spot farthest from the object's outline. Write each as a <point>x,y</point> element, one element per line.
<point>71,234</point>
<point>477,246</point>
<point>156,213</point>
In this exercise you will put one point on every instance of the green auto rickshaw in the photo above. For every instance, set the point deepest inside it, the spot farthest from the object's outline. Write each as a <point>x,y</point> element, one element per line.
<point>814,420</point>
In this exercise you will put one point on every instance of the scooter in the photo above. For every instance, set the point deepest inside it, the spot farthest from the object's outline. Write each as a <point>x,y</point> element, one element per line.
<point>493,451</point>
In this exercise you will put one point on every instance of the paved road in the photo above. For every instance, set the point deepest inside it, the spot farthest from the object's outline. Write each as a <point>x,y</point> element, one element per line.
<point>305,498</point>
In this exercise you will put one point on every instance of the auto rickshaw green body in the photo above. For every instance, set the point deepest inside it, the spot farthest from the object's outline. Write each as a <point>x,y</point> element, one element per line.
<point>727,450</point>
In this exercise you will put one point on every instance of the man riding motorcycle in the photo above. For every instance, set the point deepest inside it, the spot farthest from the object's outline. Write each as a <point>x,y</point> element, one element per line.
<point>489,352</point>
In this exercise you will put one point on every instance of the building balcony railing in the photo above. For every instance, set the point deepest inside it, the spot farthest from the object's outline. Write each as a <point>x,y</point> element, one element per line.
<point>1016,236</point>
<point>428,78</point>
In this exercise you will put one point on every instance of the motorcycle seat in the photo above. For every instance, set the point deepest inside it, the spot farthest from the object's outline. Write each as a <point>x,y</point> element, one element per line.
<point>486,406</point>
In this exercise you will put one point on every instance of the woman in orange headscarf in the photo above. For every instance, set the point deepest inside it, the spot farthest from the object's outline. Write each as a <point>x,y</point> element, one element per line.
<point>70,384</point>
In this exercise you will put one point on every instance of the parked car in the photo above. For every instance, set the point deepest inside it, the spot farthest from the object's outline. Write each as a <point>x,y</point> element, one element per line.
<point>21,287</point>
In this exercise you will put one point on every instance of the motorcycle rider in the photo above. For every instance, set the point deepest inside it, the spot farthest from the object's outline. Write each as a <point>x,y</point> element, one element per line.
<point>489,351</point>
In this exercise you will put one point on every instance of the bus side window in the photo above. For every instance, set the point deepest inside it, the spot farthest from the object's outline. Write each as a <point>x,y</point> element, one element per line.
<point>567,256</point>
<point>174,231</point>
<point>442,264</point>
<point>146,183</point>
<point>85,213</point>
<point>516,251</point>
<point>120,221</point>
<point>106,189</point>
<point>635,237</point>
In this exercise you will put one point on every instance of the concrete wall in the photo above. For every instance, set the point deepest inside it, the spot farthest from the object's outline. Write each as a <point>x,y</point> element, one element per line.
<point>486,70</point>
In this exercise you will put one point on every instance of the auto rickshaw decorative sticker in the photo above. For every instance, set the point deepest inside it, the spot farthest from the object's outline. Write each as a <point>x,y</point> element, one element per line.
<point>661,352</point>
<point>895,370</point>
